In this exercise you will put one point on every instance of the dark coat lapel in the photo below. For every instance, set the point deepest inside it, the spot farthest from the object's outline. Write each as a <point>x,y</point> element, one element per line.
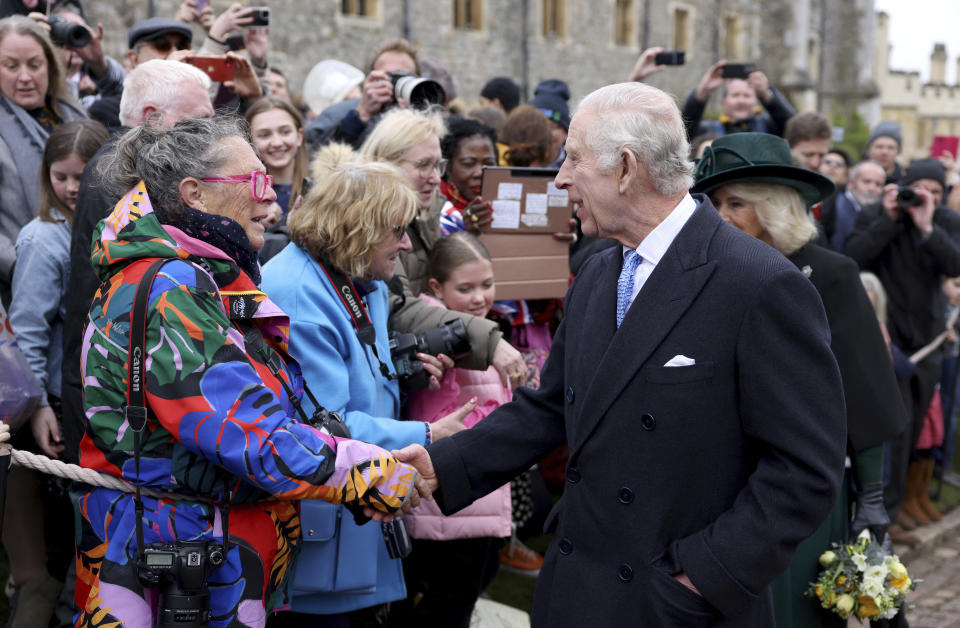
<point>666,295</point>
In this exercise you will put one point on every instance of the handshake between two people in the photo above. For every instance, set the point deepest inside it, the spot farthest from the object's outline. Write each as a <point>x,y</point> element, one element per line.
<point>426,481</point>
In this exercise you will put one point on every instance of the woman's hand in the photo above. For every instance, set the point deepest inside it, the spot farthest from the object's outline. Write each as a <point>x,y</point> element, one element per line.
<point>453,422</point>
<point>232,19</point>
<point>436,366</point>
<point>646,64</point>
<point>43,424</point>
<point>477,215</point>
<point>274,215</point>
<point>712,79</point>
<point>509,363</point>
<point>245,83</point>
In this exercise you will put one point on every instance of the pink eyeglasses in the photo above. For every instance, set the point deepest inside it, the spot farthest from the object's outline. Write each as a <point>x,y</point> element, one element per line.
<point>259,182</point>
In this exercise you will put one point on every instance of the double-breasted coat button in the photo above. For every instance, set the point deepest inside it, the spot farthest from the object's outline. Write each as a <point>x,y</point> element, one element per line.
<point>647,422</point>
<point>565,546</point>
<point>625,573</point>
<point>625,495</point>
<point>573,476</point>
<point>570,394</point>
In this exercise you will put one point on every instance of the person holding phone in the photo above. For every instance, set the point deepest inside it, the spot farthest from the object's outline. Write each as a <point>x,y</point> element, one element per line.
<point>749,102</point>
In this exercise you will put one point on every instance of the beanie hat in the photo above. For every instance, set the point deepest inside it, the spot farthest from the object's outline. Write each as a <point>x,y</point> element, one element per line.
<point>503,89</point>
<point>551,98</point>
<point>924,169</point>
<point>886,129</point>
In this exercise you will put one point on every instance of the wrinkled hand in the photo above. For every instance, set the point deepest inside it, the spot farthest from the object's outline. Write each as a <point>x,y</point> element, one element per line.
<point>274,215</point>
<point>712,79</point>
<point>419,458</point>
<point>43,424</point>
<point>436,366</point>
<point>870,512</point>
<point>377,92</point>
<point>230,20</point>
<point>245,83</point>
<point>453,422</point>
<point>257,41</point>
<point>923,214</point>
<point>645,65</point>
<point>509,363</point>
<point>761,86</point>
<point>418,492</point>
<point>4,432</point>
<point>889,201</point>
<point>477,215</point>
<point>40,19</point>
<point>568,236</point>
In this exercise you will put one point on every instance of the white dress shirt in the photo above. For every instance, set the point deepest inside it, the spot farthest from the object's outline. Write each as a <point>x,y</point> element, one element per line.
<point>652,248</point>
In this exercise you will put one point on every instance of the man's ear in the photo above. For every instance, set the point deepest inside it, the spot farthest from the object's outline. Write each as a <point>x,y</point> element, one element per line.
<point>628,170</point>
<point>191,193</point>
<point>434,286</point>
<point>132,58</point>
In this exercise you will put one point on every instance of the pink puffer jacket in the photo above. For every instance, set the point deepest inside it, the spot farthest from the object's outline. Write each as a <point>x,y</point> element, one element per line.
<point>489,515</point>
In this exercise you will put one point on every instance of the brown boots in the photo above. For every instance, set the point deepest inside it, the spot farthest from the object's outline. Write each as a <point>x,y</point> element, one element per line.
<point>916,501</point>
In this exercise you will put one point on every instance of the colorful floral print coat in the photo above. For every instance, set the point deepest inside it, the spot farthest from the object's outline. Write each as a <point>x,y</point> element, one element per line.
<point>219,424</point>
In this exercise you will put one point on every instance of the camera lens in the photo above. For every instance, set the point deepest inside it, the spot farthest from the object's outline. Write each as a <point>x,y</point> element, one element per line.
<point>417,92</point>
<point>64,33</point>
<point>907,197</point>
<point>216,557</point>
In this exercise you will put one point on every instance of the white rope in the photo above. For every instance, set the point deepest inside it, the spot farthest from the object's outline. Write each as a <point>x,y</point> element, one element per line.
<point>73,472</point>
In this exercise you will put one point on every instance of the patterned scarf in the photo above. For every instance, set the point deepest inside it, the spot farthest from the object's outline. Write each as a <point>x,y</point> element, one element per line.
<point>219,231</point>
<point>453,195</point>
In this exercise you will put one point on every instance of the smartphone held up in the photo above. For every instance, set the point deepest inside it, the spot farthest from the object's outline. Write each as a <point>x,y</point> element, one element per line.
<point>219,69</point>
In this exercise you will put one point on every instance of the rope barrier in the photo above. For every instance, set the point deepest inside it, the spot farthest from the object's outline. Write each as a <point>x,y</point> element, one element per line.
<point>76,473</point>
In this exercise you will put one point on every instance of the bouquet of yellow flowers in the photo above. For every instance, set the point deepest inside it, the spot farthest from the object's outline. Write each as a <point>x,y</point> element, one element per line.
<point>862,579</point>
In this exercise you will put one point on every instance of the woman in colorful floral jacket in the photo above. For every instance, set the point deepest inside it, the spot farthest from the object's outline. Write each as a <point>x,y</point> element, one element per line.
<point>220,426</point>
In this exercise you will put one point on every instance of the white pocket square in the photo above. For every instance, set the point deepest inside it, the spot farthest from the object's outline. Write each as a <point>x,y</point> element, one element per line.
<point>680,360</point>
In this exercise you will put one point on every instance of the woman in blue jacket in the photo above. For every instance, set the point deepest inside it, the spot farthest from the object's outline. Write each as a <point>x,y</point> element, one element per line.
<point>329,280</point>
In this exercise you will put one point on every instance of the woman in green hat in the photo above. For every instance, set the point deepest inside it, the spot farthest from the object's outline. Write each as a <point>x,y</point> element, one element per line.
<point>751,180</point>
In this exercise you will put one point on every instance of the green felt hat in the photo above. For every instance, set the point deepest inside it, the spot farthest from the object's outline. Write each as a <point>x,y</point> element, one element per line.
<point>745,157</point>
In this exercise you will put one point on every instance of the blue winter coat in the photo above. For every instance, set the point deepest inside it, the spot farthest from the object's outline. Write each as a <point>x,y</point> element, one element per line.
<point>344,375</point>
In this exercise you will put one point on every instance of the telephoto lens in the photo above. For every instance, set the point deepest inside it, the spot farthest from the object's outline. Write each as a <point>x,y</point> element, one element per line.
<point>64,33</point>
<point>907,198</point>
<point>418,92</point>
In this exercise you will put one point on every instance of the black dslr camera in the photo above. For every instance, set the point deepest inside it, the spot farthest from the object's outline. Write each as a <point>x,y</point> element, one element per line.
<point>907,197</point>
<point>450,339</point>
<point>419,92</point>
<point>64,33</point>
<point>180,570</point>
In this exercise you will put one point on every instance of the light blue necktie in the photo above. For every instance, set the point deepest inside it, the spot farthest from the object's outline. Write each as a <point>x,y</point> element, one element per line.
<point>625,284</point>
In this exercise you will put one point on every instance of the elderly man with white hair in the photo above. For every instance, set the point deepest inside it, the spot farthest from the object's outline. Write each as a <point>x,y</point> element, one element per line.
<point>161,92</point>
<point>693,381</point>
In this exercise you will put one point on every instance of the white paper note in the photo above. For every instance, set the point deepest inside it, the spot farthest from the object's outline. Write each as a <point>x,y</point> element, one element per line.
<point>536,204</point>
<point>558,201</point>
<point>534,220</point>
<point>510,191</point>
<point>553,190</point>
<point>506,214</point>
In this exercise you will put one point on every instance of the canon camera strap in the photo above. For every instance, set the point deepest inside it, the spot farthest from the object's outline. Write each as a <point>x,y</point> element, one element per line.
<point>358,312</point>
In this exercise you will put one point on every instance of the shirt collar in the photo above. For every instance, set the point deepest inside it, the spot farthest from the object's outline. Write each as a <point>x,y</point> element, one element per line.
<point>852,200</point>
<point>653,247</point>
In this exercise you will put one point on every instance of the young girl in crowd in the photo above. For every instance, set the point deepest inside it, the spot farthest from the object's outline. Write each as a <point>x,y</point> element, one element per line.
<point>276,131</point>
<point>36,316</point>
<point>456,557</point>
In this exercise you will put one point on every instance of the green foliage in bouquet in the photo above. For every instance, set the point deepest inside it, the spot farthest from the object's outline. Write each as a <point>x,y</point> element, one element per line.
<point>861,579</point>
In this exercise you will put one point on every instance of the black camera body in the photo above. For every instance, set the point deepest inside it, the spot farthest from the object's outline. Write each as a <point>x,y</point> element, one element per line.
<point>737,70</point>
<point>64,33</point>
<point>330,422</point>
<point>417,91</point>
<point>670,57</point>
<point>396,537</point>
<point>180,571</point>
<point>450,339</point>
<point>907,197</point>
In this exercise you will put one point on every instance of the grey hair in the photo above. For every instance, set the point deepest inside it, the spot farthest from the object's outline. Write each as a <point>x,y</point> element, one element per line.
<point>855,171</point>
<point>645,121</point>
<point>162,159</point>
<point>781,211</point>
<point>158,82</point>
<point>873,287</point>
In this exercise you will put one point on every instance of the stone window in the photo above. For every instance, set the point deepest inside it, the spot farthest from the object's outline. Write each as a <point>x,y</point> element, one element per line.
<point>554,23</point>
<point>623,22</point>
<point>362,8</point>
<point>731,37</point>
<point>681,28</point>
<point>468,14</point>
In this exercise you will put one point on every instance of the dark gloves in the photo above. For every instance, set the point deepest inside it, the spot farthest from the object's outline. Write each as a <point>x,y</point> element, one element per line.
<point>870,512</point>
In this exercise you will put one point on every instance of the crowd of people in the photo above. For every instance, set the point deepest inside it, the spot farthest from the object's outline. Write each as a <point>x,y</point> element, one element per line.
<point>210,277</point>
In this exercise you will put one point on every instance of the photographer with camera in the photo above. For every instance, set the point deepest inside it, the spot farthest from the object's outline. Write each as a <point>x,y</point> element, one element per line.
<point>346,237</point>
<point>910,241</point>
<point>745,89</point>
